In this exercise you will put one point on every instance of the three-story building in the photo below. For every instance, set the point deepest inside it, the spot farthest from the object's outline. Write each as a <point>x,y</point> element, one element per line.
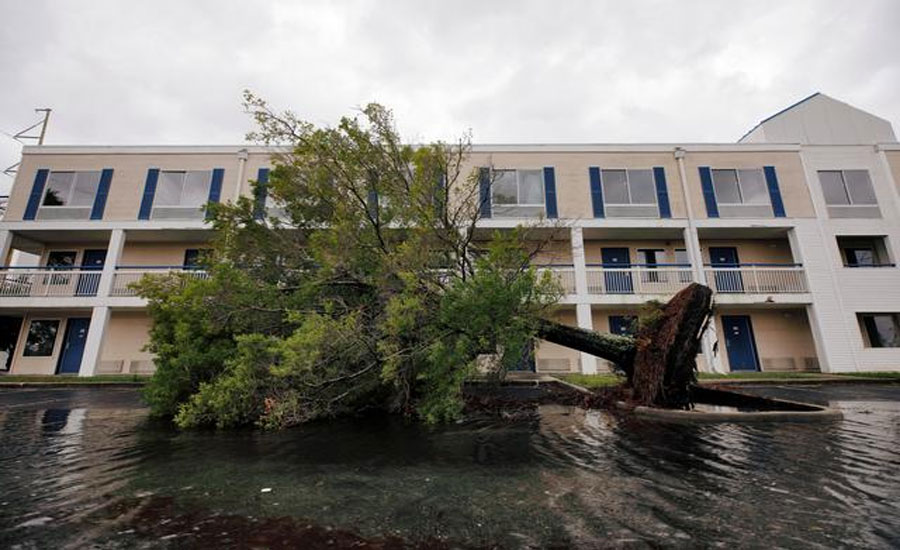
<point>796,228</point>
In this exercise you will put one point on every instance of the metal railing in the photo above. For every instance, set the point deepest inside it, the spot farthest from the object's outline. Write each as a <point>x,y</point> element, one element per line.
<point>757,279</point>
<point>564,276</point>
<point>42,282</point>
<point>644,279</point>
<point>126,276</point>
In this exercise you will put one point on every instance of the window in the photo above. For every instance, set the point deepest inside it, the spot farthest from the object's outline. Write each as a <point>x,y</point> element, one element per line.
<point>881,330</point>
<point>650,258</point>
<point>185,189</point>
<point>518,188</point>
<point>628,187</point>
<point>41,338</point>
<point>743,186</point>
<point>72,189</point>
<point>63,260</point>
<point>862,251</point>
<point>847,187</point>
<point>622,325</point>
<point>194,257</point>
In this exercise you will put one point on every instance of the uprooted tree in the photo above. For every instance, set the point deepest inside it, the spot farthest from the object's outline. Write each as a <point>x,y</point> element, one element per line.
<point>368,283</point>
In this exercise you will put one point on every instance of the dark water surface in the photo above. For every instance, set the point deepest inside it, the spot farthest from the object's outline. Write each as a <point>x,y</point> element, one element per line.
<point>84,468</point>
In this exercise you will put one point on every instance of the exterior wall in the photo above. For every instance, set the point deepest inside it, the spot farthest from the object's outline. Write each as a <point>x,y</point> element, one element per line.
<point>893,159</point>
<point>554,253</point>
<point>129,176</point>
<point>593,249</point>
<point>157,254</point>
<point>573,191</point>
<point>126,336</point>
<point>780,336</point>
<point>791,178</point>
<point>774,251</point>
<point>40,365</point>
<point>549,356</point>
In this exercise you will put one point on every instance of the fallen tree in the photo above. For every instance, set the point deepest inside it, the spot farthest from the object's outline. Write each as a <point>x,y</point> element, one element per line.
<point>660,360</point>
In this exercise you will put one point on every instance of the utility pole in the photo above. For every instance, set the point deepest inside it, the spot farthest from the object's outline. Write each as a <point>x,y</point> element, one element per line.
<point>23,135</point>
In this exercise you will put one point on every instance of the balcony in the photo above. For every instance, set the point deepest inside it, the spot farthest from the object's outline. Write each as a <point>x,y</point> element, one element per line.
<point>563,274</point>
<point>655,279</point>
<point>757,279</point>
<point>55,282</point>
<point>126,276</point>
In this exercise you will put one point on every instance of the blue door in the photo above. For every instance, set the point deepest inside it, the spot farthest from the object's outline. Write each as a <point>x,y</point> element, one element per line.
<point>727,280</point>
<point>618,281</point>
<point>621,325</point>
<point>73,346</point>
<point>92,263</point>
<point>739,342</point>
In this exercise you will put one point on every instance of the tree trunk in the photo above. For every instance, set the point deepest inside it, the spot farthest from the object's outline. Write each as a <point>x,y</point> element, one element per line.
<point>660,361</point>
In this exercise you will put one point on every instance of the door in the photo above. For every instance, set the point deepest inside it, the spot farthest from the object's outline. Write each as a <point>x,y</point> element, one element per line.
<point>727,280</point>
<point>739,342</point>
<point>621,325</point>
<point>73,346</point>
<point>616,271</point>
<point>9,335</point>
<point>91,262</point>
<point>526,362</point>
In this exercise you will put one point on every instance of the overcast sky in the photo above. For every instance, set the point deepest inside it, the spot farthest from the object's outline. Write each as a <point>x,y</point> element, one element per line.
<point>520,71</point>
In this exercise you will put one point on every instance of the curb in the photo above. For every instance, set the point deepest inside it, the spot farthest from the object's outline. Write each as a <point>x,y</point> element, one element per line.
<point>796,381</point>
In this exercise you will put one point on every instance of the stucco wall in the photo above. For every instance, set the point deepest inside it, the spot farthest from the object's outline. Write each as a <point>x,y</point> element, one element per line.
<point>788,167</point>
<point>127,334</point>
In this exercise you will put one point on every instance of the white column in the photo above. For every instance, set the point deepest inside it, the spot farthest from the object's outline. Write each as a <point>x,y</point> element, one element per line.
<point>113,254</point>
<point>5,244</point>
<point>93,346</point>
<point>583,307</point>
<point>585,321</point>
<point>243,154</point>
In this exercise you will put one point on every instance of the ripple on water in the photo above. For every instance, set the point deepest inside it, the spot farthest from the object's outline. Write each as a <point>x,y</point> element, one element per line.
<point>85,467</point>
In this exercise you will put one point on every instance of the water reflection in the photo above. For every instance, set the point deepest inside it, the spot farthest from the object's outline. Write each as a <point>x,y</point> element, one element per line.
<point>82,467</point>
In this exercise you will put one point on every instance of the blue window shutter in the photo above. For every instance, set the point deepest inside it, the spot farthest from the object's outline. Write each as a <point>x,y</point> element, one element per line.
<point>215,186</point>
<point>149,192</point>
<point>550,191</point>
<point>596,192</point>
<point>774,191</point>
<point>102,192</point>
<point>709,195</point>
<point>262,191</point>
<point>439,195</point>
<point>662,192</point>
<point>484,191</point>
<point>372,202</point>
<point>37,191</point>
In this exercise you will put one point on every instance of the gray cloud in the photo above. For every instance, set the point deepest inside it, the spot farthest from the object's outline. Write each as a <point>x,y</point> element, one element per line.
<point>512,71</point>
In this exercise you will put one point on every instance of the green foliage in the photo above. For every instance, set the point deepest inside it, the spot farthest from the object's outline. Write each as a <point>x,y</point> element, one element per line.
<point>375,292</point>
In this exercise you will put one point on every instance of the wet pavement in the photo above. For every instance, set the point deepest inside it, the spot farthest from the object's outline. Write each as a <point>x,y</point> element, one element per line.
<point>84,467</point>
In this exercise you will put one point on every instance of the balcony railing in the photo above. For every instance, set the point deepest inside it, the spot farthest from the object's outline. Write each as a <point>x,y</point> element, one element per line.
<point>564,275</point>
<point>126,276</point>
<point>757,279</point>
<point>41,282</point>
<point>655,279</point>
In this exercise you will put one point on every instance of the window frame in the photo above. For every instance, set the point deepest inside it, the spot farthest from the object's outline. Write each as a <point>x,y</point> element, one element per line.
<point>867,321</point>
<point>184,177</point>
<point>31,323</point>
<point>740,188</point>
<point>628,172</point>
<point>850,201</point>
<point>517,204</point>
<point>71,190</point>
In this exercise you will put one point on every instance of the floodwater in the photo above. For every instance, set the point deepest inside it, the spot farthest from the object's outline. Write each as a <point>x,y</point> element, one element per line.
<point>85,468</point>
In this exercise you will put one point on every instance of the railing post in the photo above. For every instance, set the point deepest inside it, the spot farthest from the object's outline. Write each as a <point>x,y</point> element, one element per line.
<point>113,254</point>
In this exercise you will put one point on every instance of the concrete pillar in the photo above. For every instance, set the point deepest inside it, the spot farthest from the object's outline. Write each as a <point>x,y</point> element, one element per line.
<point>583,306</point>
<point>242,155</point>
<point>585,321</point>
<point>113,255</point>
<point>93,346</point>
<point>5,245</point>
